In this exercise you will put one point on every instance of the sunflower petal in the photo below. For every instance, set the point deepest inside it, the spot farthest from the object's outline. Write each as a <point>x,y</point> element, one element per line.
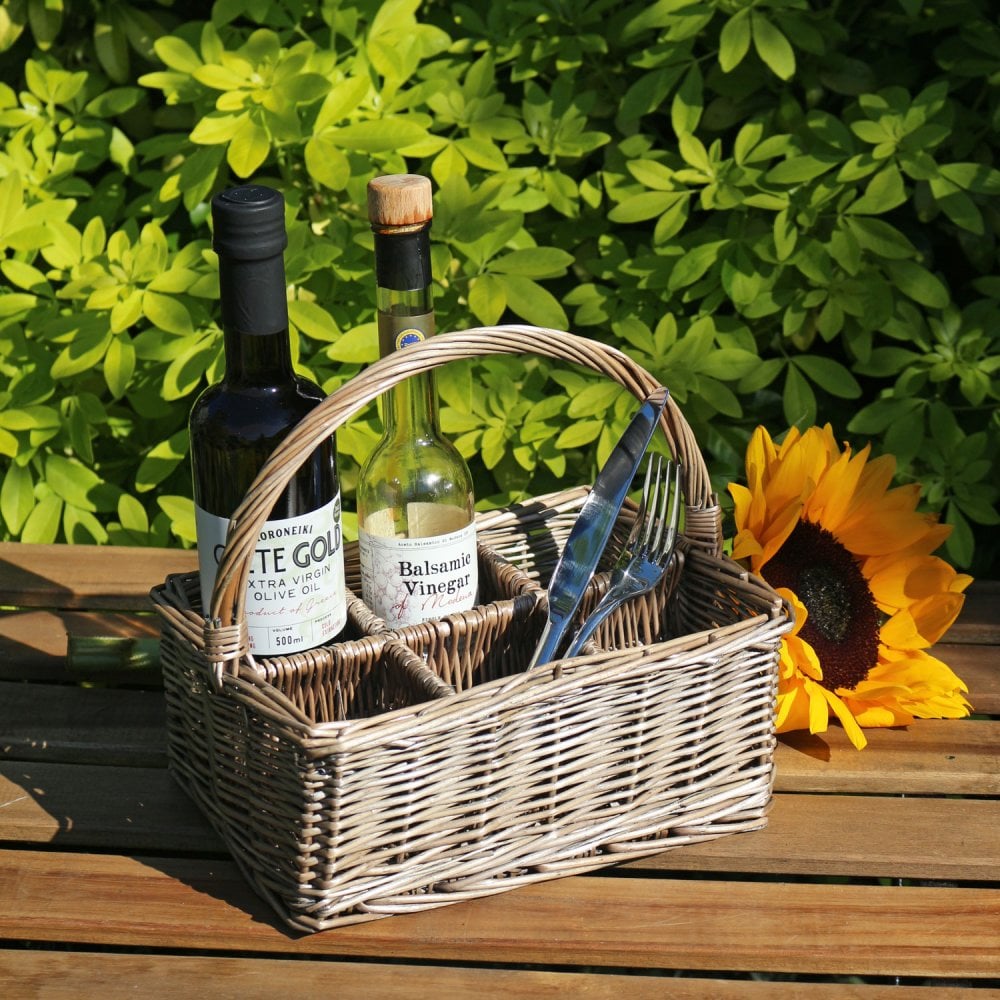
<point>936,614</point>
<point>847,720</point>
<point>819,708</point>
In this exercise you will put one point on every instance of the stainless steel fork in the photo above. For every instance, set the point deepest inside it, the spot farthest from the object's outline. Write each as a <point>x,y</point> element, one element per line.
<point>648,549</point>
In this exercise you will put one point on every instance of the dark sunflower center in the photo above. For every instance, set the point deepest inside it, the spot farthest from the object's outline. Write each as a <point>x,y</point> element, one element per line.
<point>844,621</point>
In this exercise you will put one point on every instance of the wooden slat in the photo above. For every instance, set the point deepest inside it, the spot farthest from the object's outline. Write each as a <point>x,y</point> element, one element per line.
<point>63,576</point>
<point>105,808</point>
<point>142,809</point>
<point>857,836</point>
<point>930,757</point>
<point>33,644</point>
<point>979,668</point>
<point>71,975</point>
<point>82,725</point>
<point>640,923</point>
<point>979,621</point>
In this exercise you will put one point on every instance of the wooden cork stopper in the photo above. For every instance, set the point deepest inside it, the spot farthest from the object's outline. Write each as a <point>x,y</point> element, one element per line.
<point>396,200</point>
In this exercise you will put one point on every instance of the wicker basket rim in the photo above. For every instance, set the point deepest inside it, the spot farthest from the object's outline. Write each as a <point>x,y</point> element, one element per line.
<point>226,621</point>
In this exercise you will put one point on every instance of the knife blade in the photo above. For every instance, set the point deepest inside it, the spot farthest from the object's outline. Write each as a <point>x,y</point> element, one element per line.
<point>592,528</point>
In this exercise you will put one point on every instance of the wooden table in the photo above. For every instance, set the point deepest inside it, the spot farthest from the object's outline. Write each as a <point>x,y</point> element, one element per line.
<point>878,875</point>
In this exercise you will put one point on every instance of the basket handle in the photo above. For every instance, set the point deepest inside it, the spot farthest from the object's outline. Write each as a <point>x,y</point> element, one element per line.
<point>226,638</point>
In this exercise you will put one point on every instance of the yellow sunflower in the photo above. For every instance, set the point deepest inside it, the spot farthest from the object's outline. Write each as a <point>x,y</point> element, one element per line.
<point>854,558</point>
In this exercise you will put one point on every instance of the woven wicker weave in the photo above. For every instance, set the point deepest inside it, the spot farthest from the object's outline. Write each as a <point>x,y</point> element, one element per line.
<point>402,770</point>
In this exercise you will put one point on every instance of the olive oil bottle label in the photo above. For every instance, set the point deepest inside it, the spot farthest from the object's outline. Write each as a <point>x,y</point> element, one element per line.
<point>411,580</point>
<point>296,595</point>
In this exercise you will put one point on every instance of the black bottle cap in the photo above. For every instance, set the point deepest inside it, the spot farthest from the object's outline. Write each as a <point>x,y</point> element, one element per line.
<point>249,222</point>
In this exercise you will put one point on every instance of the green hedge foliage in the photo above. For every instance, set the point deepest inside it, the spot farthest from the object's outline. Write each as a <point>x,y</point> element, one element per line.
<point>785,209</point>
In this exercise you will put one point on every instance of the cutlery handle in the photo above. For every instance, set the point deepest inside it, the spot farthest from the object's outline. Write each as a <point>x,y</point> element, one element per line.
<point>552,634</point>
<point>587,629</point>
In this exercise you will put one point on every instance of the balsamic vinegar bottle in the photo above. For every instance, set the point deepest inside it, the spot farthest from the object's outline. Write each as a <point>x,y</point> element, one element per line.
<point>416,530</point>
<point>296,597</point>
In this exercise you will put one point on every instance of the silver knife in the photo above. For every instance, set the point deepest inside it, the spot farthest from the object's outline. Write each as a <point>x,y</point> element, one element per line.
<point>593,525</point>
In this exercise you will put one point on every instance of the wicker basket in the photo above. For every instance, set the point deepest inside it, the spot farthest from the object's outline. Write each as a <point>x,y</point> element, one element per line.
<point>403,770</point>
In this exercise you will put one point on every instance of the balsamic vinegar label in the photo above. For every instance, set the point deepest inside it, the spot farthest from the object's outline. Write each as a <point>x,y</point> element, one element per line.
<point>398,332</point>
<point>410,580</point>
<point>296,595</point>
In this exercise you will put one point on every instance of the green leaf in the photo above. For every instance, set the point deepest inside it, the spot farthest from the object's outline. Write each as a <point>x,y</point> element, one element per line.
<point>594,399</point>
<point>918,283</point>
<point>313,320</point>
<point>976,177</point>
<point>119,366</point>
<point>763,374</point>
<point>25,276</point>
<point>581,433</point>
<point>126,312</point>
<point>698,259</point>
<point>533,262</point>
<point>219,77</point>
<point>177,54</point>
<point>132,515</point>
<point>73,482</point>
<point>961,542</point>
<point>829,374</point>
<point>187,369</point>
<point>327,163</point>
<point>13,303</point>
<point>342,99</point>
<point>17,497</point>
<point>652,174</point>
<point>647,205</point>
<point>379,136</point>
<point>358,345</point>
<point>493,446</point>
<point>798,400</point>
<point>532,302</point>
<point>86,350</point>
<point>82,528</point>
<point>885,192</point>
<point>29,418</point>
<point>249,147</point>
<point>180,511</point>
<point>772,46</point>
<point>880,237</point>
<point>729,363</point>
<point>115,102</point>
<point>304,88</point>
<point>482,153</point>
<point>734,40</point>
<point>8,444</point>
<point>799,169</point>
<point>161,461</point>
<point>487,299</point>
<point>688,103</point>
<point>213,129</point>
<point>719,397</point>
<point>958,206</point>
<point>883,413</point>
<point>785,234</point>
<point>111,47</point>
<point>167,313</point>
<point>42,525</point>
<point>885,362</point>
<point>693,150</point>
